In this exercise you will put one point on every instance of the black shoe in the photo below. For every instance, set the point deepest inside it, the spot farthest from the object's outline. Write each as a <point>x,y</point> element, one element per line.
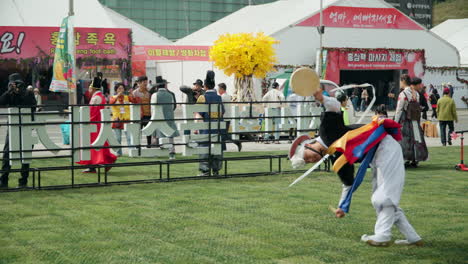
<point>450,143</point>
<point>443,144</point>
<point>239,145</point>
<point>215,173</point>
<point>414,164</point>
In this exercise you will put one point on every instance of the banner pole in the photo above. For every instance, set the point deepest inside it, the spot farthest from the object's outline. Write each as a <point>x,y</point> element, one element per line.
<point>72,93</point>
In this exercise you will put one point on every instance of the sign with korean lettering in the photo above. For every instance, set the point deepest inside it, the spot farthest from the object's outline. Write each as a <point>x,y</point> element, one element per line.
<point>361,17</point>
<point>373,59</point>
<point>29,42</point>
<point>186,53</point>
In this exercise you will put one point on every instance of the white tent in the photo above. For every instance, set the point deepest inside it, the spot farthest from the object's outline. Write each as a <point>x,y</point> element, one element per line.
<point>298,45</point>
<point>455,31</point>
<point>88,13</point>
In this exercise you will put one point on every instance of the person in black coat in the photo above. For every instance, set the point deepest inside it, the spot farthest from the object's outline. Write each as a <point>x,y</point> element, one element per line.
<point>15,96</point>
<point>423,102</point>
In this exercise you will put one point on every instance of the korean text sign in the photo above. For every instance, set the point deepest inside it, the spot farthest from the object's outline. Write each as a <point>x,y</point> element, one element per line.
<point>187,53</point>
<point>29,42</point>
<point>361,17</point>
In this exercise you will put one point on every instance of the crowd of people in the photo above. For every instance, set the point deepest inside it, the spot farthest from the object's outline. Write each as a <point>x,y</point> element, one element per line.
<point>413,102</point>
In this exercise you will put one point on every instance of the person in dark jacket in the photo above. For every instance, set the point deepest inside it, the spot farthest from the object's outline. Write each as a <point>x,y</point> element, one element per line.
<point>211,162</point>
<point>423,102</point>
<point>433,99</point>
<point>15,96</point>
<point>194,92</point>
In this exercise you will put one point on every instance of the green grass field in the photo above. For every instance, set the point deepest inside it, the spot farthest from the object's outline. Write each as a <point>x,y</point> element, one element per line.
<point>238,220</point>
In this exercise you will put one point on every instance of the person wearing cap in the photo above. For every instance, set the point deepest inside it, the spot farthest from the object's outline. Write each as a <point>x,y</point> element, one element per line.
<point>446,114</point>
<point>408,114</point>
<point>96,104</point>
<point>226,98</point>
<point>169,104</point>
<point>194,92</point>
<point>450,86</point>
<point>386,162</point>
<point>142,96</point>
<point>273,99</point>
<point>15,96</point>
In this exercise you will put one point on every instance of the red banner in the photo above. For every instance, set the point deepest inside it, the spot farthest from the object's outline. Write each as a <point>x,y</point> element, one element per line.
<point>185,53</point>
<point>29,42</point>
<point>373,59</point>
<point>361,17</point>
<point>138,68</point>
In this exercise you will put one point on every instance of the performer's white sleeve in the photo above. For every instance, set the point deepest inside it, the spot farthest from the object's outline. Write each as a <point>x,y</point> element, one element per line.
<point>331,104</point>
<point>344,193</point>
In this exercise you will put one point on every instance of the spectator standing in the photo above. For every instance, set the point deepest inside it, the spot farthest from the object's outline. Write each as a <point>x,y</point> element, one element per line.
<point>15,96</point>
<point>450,86</point>
<point>120,113</point>
<point>447,113</point>
<point>343,99</point>
<point>194,92</point>
<point>364,99</point>
<point>37,97</point>
<point>226,98</point>
<point>355,99</point>
<point>168,103</point>
<point>433,100</point>
<point>142,96</point>
<point>275,98</point>
<point>211,162</point>
<point>423,102</point>
<point>408,114</point>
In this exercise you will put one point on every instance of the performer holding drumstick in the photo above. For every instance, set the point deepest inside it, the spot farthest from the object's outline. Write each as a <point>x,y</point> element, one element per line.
<point>374,144</point>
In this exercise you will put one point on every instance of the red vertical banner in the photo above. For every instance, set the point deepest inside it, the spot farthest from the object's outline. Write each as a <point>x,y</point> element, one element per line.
<point>138,68</point>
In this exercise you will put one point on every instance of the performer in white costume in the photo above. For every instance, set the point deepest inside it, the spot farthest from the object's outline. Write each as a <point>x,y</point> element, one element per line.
<point>388,178</point>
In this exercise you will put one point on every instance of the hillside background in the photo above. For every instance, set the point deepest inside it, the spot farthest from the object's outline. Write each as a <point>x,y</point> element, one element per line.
<point>449,9</point>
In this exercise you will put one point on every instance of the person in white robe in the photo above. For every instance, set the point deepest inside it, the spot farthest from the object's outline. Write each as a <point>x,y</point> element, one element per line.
<point>388,181</point>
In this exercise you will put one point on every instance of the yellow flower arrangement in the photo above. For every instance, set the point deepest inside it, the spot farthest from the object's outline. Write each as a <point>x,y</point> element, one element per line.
<point>244,54</point>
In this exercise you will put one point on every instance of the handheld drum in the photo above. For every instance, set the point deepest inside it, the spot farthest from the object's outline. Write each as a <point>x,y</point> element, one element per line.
<point>304,82</point>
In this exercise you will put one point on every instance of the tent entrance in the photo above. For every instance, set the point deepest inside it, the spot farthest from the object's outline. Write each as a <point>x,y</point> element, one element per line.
<point>386,83</point>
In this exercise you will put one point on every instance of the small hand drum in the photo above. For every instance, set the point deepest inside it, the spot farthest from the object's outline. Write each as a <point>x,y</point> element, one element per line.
<point>304,82</point>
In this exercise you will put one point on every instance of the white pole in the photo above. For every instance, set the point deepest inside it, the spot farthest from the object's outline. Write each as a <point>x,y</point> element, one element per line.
<point>72,94</point>
<point>319,66</point>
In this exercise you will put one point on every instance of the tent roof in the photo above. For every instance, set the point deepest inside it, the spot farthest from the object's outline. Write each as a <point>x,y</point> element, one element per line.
<point>268,18</point>
<point>49,13</point>
<point>455,31</point>
<point>88,13</point>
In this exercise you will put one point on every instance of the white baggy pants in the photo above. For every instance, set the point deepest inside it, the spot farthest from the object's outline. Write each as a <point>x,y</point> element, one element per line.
<point>388,180</point>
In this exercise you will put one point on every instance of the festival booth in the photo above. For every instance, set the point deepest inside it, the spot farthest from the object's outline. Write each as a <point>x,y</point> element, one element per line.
<point>364,41</point>
<point>29,34</point>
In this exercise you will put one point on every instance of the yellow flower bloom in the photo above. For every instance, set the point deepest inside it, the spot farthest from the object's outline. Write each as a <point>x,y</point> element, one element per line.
<point>244,54</point>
